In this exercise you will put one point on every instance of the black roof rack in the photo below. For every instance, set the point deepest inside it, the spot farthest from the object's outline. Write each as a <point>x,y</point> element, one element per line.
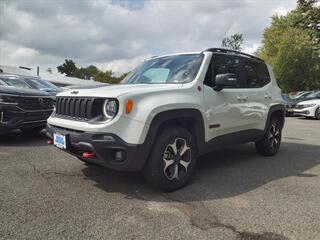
<point>225,50</point>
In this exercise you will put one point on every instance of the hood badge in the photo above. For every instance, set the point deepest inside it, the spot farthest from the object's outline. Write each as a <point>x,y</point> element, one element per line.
<point>74,92</point>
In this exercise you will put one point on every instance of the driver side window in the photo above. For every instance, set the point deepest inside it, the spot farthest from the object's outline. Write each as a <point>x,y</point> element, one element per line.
<point>221,64</point>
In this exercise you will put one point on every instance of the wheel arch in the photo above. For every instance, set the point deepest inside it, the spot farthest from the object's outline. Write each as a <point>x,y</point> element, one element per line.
<point>278,111</point>
<point>190,119</point>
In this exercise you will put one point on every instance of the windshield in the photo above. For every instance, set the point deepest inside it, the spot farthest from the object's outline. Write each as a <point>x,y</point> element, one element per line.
<point>302,95</point>
<point>286,97</point>
<point>3,83</point>
<point>15,82</point>
<point>42,85</point>
<point>315,94</point>
<point>166,70</point>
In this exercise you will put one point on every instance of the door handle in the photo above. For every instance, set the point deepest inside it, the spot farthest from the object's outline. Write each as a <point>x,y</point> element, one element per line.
<point>242,98</point>
<point>267,96</point>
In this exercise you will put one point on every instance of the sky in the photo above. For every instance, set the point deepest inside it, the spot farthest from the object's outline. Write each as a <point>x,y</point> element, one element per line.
<point>118,34</point>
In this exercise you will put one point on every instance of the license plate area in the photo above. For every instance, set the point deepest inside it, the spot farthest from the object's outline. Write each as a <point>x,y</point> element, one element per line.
<point>60,140</point>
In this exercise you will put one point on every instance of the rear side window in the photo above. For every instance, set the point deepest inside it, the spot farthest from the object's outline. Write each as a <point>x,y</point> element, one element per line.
<point>221,64</point>
<point>256,74</point>
<point>264,74</point>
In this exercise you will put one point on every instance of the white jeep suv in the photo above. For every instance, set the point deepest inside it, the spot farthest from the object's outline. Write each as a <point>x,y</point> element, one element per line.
<point>170,110</point>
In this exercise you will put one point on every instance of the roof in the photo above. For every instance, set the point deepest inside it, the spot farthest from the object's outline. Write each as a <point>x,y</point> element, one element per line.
<point>64,80</point>
<point>230,51</point>
<point>56,78</point>
<point>14,70</point>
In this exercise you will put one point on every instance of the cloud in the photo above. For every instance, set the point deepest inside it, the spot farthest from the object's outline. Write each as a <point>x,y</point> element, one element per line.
<point>115,34</point>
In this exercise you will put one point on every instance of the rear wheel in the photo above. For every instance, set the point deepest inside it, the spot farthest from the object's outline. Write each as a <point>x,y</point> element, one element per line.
<point>172,160</point>
<point>317,113</point>
<point>270,143</point>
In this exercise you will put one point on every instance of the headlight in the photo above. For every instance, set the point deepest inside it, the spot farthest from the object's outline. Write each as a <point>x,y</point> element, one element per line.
<point>7,99</point>
<point>110,108</point>
<point>308,105</point>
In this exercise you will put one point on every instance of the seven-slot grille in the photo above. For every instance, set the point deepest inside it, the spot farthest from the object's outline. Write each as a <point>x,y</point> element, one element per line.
<point>35,103</point>
<point>82,108</point>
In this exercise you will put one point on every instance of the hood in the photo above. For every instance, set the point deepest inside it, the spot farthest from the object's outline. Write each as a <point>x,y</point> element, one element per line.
<point>117,90</point>
<point>316,101</point>
<point>290,101</point>
<point>22,91</point>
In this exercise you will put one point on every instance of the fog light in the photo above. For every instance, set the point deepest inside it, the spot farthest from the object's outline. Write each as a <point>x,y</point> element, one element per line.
<point>119,156</point>
<point>88,155</point>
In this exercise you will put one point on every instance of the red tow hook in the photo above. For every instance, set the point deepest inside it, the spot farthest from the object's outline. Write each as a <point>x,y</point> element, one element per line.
<point>49,142</point>
<point>88,155</point>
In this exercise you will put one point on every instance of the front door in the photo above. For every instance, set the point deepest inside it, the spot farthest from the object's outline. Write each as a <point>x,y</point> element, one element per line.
<point>225,110</point>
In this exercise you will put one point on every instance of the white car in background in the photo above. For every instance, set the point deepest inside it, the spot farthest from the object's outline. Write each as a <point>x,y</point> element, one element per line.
<point>309,108</point>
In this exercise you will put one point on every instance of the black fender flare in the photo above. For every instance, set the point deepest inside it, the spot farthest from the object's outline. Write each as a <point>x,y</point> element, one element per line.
<point>279,108</point>
<point>176,114</point>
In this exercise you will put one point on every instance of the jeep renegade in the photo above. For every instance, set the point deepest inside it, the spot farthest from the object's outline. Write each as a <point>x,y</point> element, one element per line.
<point>170,110</point>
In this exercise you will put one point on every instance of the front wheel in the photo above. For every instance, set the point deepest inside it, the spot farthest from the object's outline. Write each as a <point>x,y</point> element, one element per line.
<point>270,143</point>
<point>172,160</point>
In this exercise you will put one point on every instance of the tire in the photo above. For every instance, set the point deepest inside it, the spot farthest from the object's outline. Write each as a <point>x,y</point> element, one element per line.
<point>270,143</point>
<point>167,168</point>
<point>32,131</point>
<point>317,113</point>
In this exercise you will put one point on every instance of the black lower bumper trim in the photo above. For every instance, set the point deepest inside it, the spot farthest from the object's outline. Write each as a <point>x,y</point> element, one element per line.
<point>109,149</point>
<point>16,119</point>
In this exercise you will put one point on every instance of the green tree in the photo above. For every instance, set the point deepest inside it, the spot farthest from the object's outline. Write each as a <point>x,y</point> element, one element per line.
<point>90,72</point>
<point>233,42</point>
<point>104,76</point>
<point>86,72</point>
<point>123,75</point>
<point>68,67</point>
<point>290,47</point>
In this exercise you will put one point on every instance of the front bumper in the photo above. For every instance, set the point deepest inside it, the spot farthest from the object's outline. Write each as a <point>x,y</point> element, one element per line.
<point>12,117</point>
<point>308,112</point>
<point>289,111</point>
<point>106,147</point>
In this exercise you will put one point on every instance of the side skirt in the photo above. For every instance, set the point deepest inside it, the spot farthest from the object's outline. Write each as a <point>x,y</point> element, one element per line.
<point>231,139</point>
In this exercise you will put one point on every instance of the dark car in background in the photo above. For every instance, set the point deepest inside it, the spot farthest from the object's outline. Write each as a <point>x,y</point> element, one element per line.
<point>43,85</point>
<point>25,109</point>
<point>30,82</point>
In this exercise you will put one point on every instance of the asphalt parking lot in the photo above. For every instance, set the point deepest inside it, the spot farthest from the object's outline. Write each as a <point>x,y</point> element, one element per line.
<point>235,194</point>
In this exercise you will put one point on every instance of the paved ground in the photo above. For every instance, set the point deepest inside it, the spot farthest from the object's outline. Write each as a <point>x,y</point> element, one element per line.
<point>235,194</point>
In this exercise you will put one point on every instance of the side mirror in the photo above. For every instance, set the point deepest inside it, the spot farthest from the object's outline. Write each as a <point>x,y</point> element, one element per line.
<point>224,80</point>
